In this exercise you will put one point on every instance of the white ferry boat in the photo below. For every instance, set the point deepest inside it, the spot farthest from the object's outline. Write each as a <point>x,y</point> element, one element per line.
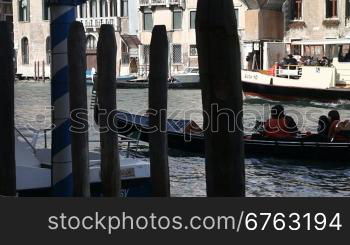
<point>325,83</point>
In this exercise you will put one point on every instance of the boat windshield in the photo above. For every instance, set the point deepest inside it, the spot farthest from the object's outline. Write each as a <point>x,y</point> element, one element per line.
<point>344,53</point>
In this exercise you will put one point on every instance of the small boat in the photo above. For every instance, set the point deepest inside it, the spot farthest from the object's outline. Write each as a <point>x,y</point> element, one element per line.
<point>185,135</point>
<point>33,171</point>
<point>189,75</point>
<point>314,80</point>
<point>188,79</point>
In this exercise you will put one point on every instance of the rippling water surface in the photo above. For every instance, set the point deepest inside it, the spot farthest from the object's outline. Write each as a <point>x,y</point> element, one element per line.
<point>265,177</point>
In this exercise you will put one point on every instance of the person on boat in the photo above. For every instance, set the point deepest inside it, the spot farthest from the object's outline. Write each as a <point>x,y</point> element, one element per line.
<point>279,126</point>
<point>292,62</point>
<point>347,57</point>
<point>334,119</point>
<point>324,61</point>
<point>339,131</point>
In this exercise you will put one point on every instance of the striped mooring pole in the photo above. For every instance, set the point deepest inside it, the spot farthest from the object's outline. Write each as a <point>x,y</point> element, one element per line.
<point>63,13</point>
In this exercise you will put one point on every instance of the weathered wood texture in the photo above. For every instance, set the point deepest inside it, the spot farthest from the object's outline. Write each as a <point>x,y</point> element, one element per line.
<point>106,92</point>
<point>220,75</point>
<point>7,124</point>
<point>78,109</point>
<point>158,96</point>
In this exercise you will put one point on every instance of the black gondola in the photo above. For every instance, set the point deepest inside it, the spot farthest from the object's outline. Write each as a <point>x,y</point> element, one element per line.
<point>180,138</point>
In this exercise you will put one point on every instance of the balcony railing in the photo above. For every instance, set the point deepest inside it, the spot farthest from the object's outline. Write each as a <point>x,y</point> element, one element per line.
<point>145,3</point>
<point>95,23</point>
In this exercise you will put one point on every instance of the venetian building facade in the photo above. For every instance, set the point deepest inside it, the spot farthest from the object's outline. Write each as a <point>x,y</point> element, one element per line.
<point>315,20</point>
<point>32,33</point>
<point>32,37</point>
<point>179,18</point>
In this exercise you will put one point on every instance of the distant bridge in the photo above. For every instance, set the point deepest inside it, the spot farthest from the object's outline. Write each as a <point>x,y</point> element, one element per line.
<point>264,4</point>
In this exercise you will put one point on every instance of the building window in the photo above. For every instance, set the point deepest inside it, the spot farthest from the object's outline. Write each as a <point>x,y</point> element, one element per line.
<point>103,8</point>
<point>193,19</point>
<point>124,8</point>
<point>90,42</point>
<point>331,8</point>
<point>93,9</point>
<point>236,12</point>
<point>177,20</point>
<point>193,50</point>
<point>347,9</point>
<point>125,54</point>
<point>114,8</point>
<point>177,54</point>
<point>23,9</point>
<point>83,11</point>
<point>48,50</point>
<point>145,54</point>
<point>297,9</point>
<point>25,51</point>
<point>46,10</point>
<point>147,21</point>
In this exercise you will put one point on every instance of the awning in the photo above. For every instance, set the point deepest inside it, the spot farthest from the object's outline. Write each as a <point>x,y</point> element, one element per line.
<point>322,42</point>
<point>132,41</point>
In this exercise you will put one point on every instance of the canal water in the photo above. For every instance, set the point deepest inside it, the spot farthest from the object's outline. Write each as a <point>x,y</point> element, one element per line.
<point>265,177</point>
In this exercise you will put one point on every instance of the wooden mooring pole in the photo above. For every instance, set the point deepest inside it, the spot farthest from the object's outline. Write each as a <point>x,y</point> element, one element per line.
<point>158,96</point>
<point>38,72</point>
<point>78,109</point>
<point>220,76</point>
<point>7,124</point>
<point>35,75</point>
<point>106,92</point>
<point>43,67</point>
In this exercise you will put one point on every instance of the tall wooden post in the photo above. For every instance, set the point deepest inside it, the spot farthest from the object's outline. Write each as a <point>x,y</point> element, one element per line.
<point>7,123</point>
<point>38,71</point>
<point>106,92</point>
<point>35,75</point>
<point>78,108</point>
<point>158,96</point>
<point>43,67</point>
<point>220,75</point>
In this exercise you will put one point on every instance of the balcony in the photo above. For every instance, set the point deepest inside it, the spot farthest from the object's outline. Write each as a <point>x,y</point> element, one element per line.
<point>150,3</point>
<point>95,23</point>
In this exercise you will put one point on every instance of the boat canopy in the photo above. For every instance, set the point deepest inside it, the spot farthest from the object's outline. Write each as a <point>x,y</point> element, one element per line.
<point>322,42</point>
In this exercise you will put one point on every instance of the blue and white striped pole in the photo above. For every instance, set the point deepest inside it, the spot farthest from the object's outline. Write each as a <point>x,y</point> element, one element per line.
<point>62,15</point>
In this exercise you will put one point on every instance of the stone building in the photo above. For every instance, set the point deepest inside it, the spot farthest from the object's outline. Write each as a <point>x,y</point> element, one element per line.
<point>179,18</point>
<point>311,25</point>
<point>32,33</point>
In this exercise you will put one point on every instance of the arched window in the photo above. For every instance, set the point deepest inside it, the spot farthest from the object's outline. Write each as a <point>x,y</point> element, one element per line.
<point>90,42</point>
<point>93,8</point>
<point>331,8</point>
<point>104,8</point>
<point>114,8</point>
<point>25,51</point>
<point>125,54</point>
<point>48,50</point>
<point>23,10</point>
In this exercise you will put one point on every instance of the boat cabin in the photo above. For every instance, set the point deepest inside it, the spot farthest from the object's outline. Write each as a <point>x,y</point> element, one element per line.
<point>337,51</point>
<point>325,62</point>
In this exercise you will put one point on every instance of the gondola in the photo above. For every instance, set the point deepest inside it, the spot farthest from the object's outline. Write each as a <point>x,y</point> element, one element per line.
<point>182,137</point>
